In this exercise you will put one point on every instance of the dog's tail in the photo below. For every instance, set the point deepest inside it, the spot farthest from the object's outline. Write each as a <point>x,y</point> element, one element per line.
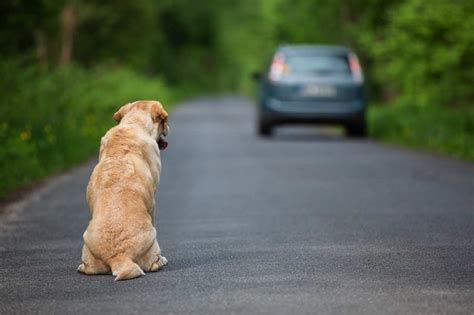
<point>123,268</point>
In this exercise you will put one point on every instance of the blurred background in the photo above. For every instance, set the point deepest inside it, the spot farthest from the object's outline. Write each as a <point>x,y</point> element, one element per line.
<point>66,66</point>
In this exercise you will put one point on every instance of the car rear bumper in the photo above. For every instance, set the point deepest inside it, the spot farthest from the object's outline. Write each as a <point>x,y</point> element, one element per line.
<point>276,111</point>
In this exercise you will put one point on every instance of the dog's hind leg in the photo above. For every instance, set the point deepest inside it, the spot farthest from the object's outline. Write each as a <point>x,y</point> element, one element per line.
<point>152,260</point>
<point>91,265</point>
<point>157,265</point>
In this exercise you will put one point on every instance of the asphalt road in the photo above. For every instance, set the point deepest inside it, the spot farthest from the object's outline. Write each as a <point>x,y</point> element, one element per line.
<point>305,222</point>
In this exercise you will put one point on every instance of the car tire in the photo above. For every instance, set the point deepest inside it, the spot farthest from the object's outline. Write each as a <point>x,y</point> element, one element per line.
<point>357,129</point>
<point>264,129</point>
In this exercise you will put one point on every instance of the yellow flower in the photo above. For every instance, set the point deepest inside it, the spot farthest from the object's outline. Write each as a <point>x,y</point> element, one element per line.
<point>25,135</point>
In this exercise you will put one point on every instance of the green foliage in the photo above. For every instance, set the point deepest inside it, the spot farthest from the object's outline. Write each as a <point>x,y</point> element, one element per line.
<point>431,128</point>
<point>246,40</point>
<point>52,120</point>
<point>310,21</point>
<point>22,21</point>
<point>412,50</point>
<point>425,53</point>
<point>422,60</point>
<point>118,32</point>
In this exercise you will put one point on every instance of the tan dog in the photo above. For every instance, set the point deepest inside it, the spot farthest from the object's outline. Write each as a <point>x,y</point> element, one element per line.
<point>121,236</point>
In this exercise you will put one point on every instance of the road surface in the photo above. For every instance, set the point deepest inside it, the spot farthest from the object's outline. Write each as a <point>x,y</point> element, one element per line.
<point>305,222</point>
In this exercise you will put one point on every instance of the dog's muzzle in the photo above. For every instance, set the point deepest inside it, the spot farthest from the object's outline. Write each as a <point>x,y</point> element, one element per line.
<point>162,143</point>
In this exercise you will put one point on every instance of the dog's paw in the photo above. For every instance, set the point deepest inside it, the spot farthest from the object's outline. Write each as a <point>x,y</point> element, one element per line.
<point>157,265</point>
<point>163,260</point>
<point>81,268</point>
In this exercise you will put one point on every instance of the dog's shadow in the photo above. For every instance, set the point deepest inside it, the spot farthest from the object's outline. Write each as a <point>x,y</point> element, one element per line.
<point>180,259</point>
<point>179,263</point>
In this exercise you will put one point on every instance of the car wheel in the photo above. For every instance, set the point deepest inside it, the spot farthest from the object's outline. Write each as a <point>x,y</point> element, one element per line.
<point>264,129</point>
<point>357,129</point>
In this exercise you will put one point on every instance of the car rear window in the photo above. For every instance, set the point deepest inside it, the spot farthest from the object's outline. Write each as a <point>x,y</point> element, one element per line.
<point>317,64</point>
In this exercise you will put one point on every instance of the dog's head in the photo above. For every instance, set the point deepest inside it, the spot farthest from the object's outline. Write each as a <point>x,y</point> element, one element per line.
<point>155,115</point>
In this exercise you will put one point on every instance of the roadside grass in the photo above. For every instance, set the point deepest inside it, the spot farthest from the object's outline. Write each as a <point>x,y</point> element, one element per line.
<point>51,120</point>
<point>431,128</point>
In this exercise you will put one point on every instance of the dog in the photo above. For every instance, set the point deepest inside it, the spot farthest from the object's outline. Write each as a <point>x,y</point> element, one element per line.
<point>121,235</point>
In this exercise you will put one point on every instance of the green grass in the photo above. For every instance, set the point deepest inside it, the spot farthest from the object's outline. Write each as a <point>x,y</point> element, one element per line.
<point>52,120</point>
<point>435,129</point>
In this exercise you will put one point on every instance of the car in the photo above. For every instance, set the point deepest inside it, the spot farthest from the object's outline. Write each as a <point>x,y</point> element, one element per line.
<point>312,84</point>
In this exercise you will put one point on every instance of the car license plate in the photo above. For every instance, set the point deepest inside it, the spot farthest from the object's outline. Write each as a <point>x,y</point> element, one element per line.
<point>319,90</point>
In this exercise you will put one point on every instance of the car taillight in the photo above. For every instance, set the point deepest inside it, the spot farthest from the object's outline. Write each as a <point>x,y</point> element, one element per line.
<point>278,67</point>
<point>356,68</point>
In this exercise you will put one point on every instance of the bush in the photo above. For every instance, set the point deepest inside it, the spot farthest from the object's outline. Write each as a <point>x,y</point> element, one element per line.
<point>52,120</point>
<point>432,128</point>
<point>425,53</point>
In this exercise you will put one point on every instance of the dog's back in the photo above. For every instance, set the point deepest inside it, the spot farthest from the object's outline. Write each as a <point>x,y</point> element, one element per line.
<point>120,196</point>
<point>121,236</point>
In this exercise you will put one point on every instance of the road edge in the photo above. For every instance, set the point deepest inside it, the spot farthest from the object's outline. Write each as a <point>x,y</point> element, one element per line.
<point>11,209</point>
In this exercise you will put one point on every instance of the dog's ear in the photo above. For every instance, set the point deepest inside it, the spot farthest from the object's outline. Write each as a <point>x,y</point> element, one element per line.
<point>122,112</point>
<point>158,112</point>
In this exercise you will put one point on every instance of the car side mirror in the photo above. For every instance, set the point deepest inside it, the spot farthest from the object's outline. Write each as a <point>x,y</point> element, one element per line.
<point>257,76</point>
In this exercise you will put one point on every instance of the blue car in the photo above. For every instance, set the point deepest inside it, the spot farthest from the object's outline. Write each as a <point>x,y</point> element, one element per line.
<point>312,84</point>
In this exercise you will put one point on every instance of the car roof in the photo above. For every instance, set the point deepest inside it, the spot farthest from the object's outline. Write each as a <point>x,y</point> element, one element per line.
<point>314,49</point>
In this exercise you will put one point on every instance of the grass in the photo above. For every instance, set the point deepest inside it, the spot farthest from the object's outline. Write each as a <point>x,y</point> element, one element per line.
<point>52,120</point>
<point>435,129</point>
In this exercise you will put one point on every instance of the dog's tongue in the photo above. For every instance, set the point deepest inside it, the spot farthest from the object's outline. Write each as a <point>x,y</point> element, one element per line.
<point>162,144</point>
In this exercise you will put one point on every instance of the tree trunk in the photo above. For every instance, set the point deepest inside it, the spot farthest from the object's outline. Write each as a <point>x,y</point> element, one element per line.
<point>69,19</point>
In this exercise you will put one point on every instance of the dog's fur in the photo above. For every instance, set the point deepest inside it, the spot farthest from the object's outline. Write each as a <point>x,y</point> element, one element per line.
<point>121,235</point>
